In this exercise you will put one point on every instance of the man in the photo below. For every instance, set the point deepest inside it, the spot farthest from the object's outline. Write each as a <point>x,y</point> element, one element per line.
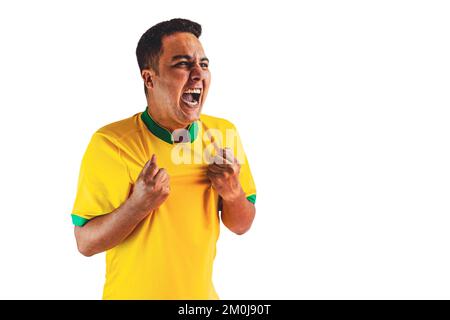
<point>159,226</point>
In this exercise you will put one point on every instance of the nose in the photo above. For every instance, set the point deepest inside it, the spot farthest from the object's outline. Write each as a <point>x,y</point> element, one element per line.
<point>197,73</point>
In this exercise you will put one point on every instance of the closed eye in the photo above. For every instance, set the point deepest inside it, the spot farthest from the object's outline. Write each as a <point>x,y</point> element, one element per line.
<point>204,65</point>
<point>183,63</point>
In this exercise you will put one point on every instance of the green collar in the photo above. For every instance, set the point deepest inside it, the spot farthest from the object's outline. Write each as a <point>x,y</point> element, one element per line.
<point>165,134</point>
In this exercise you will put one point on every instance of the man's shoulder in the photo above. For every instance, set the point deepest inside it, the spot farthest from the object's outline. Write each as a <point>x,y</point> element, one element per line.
<point>215,122</point>
<point>120,129</point>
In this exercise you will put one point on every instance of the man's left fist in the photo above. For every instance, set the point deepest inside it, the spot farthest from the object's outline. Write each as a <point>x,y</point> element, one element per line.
<point>224,173</point>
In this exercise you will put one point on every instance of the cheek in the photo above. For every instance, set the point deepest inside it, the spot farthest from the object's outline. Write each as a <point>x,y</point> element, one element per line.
<point>173,88</point>
<point>206,80</point>
<point>207,76</point>
<point>178,82</point>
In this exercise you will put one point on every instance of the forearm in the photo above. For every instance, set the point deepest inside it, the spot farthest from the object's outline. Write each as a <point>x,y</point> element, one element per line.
<point>107,231</point>
<point>238,213</point>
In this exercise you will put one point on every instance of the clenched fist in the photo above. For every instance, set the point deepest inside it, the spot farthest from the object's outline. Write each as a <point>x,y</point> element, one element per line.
<point>224,173</point>
<point>151,188</point>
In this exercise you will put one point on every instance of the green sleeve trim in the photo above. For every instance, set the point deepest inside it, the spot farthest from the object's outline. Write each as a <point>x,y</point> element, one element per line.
<point>79,221</point>
<point>252,198</point>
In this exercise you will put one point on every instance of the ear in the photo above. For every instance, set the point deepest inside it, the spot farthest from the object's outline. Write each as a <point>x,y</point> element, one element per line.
<point>147,76</point>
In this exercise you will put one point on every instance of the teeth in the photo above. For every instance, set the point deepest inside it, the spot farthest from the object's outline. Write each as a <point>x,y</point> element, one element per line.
<point>195,90</point>
<point>193,103</point>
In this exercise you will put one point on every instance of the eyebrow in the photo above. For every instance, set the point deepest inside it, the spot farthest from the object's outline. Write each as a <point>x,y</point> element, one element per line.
<point>187,57</point>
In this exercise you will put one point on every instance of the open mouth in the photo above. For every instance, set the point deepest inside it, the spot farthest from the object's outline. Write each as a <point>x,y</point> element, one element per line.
<point>191,96</point>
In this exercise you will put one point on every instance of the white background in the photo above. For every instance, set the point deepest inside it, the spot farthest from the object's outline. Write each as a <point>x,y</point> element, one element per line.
<point>343,108</point>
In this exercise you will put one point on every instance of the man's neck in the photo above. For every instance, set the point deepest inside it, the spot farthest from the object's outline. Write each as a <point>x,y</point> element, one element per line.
<point>165,123</point>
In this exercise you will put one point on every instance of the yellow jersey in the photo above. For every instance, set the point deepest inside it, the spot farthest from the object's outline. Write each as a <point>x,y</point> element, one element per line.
<point>170,254</point>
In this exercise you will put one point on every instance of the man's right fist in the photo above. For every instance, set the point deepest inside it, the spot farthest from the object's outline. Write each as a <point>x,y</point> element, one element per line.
<point>151,188</point>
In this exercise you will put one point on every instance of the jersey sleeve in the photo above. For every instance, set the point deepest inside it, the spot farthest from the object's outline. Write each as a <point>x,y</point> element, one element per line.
<point>104,182</point>
<point>245,175</point>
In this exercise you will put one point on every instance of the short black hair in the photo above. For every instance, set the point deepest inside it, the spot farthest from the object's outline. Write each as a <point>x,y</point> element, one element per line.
<point>149,47</point>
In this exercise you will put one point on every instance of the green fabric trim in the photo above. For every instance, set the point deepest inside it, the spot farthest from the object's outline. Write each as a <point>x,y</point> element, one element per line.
<point>155,128</point>
<point>193,131</point>
<point>78,221</point>
<point>163,133</point>
<point>252,198</point>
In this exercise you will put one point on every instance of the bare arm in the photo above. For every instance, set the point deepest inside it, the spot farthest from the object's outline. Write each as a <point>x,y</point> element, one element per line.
<point>237,212</point>
<point>105,232</point>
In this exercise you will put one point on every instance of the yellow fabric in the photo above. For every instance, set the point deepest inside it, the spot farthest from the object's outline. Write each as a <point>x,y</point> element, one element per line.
<point>170,254</point>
